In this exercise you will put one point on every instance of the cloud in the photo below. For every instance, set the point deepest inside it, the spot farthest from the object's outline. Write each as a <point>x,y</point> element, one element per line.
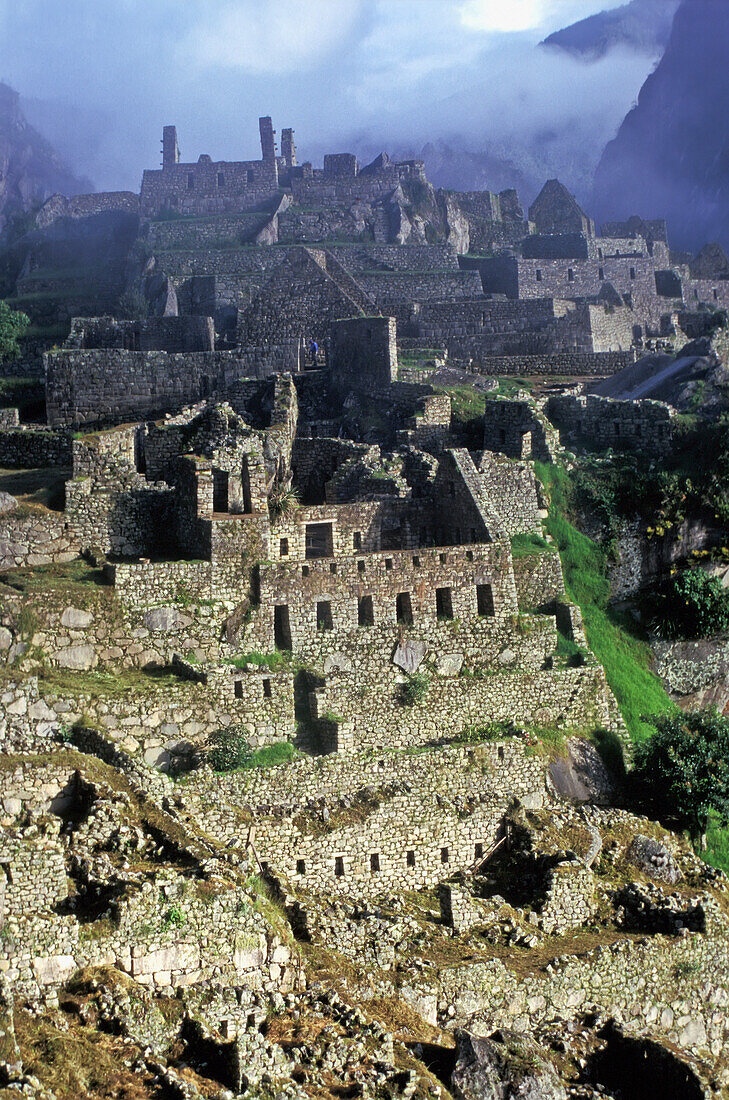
<point>283,37</point>
<point>500,16</point>
<point>106,75</point>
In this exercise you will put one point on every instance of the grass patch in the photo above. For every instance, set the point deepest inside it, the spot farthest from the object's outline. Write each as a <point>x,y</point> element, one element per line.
<point>44,487</point>
<point>624,654</point>
<point>526,546</point>
<point>270,756</point>
<point>509,387</point>
<point>466,403</point>
<point>717,846</point>
<point>274,662</point>
<point>73,580</point>
<point>106,685</point>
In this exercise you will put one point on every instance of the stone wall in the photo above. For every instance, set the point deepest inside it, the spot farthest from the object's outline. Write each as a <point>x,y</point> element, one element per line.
<point>539,580</point>
<point>444,816</point>
<point>172,334</point>
<point>209,187</point>
<point>100,386</point>
<point>27,448</point>
<point>639,425</point>
<point>85,206</point>
<point>511,489</point>
<point>36,537</point>
<point>578,363</point>
<point>363,353</point>
<point>638,985</point>
<point>518,430</point>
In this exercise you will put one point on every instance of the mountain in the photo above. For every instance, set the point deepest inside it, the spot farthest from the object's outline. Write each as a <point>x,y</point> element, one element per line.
<point>30,169</point>
<point>642,25</point>
<point>671,155</point>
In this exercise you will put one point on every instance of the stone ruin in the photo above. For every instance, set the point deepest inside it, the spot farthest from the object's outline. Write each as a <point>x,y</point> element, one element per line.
<point>272,521</point>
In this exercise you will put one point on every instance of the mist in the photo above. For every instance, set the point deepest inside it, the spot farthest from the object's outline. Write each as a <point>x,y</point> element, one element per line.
<point>100,81</point>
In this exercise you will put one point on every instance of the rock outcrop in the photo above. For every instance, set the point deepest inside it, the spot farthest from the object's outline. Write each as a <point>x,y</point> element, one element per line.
<point>30,170</point>
<point>670,154</point>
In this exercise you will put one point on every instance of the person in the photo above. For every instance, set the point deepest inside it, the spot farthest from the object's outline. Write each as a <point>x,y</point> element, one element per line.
<point>313,350</point>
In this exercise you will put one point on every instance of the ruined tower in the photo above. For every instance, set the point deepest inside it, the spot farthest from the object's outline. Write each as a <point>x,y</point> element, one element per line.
<point>170,148</point>
<point>288,149</point>
<point>268,136</point>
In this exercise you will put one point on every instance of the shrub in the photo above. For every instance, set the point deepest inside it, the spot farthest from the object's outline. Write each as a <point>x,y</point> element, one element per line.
<point>691,604</point>
<point>230,751</point>
<point>415,689</point>
<point>490,731</point>
<point>13,325</point>
<point>174,917</point>
<point>682,772</point>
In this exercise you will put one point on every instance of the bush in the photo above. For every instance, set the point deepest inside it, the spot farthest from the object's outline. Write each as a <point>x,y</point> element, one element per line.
<point>490,731</point>
<point>682,772</point>
<point>691,605</point>
<point>231,750</point>
<point>13,325</point>
<point>415,689</point>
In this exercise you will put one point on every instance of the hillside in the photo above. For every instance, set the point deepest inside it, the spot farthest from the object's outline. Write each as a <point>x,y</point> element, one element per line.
<point>642,25</point>
<point>30,170</point>
<point>671,154</point>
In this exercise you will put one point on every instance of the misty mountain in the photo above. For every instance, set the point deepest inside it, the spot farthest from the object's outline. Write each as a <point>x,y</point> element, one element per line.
<point>671,155</point>
<point>642,25</point>
<point>30,169</point>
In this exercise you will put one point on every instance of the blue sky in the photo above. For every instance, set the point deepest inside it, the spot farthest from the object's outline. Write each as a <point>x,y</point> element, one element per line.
<point>104,76</point>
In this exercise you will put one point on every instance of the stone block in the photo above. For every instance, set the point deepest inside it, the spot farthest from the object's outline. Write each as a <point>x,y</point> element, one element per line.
<point>76,619</point>
<point>81,657</point>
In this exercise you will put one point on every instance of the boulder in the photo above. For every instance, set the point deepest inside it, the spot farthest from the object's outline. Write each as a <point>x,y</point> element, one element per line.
<point>337,662</point>
<point>81,657</point>
<point>654,859</point>
<point>504,1067</point>
<point>162,618</point>
<point>8,503</point>
<point>581,776</point>
<point>449,664</point>
<point>410,655</point>
<point>76,619</point>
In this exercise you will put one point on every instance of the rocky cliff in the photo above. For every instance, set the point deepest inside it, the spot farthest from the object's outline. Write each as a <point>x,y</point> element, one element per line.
<point>643,25</point>
<point>671,154</point>
<point>30,170</point>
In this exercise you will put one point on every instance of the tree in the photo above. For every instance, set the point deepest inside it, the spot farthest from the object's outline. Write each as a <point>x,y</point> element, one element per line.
<point>13,325</point>
<point>692,605</point>
<point>682,772</point>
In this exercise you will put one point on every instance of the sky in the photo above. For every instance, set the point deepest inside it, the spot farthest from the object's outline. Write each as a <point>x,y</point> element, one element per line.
<point>101,77</point>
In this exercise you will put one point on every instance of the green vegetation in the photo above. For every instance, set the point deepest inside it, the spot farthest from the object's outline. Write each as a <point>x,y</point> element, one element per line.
<point>232,752</point>
<point>693,479</point>
<point>274,662</point>
<point>612,637</point>
<point>13,326</point>
<point>525,546</point>
<point>691,604</point>
<point>283,502</point>
<point>466,402</point>
<point>173,918</point>
<point>491,731</point>
<point>509,387</point>
<point>38,488</point>
<point>415,689</point>
<point>572,654</point>
<point>682,771</point>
